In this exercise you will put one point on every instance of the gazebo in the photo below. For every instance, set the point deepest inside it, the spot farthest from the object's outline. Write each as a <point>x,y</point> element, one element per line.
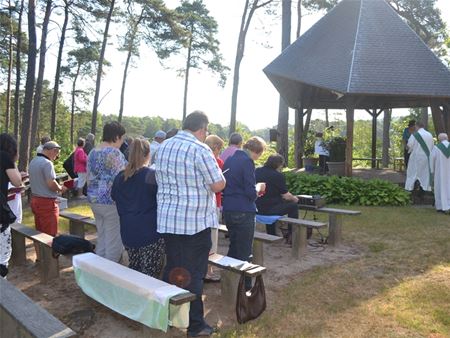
<point>362,55</point>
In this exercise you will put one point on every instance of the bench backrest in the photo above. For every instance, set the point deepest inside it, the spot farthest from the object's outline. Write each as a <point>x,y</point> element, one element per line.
<point>21,317</point>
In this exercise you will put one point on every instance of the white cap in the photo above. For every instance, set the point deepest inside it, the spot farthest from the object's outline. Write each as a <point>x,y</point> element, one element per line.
<point>160,134</point>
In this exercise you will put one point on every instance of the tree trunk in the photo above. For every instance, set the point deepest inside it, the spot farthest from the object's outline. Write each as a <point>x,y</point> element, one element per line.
<point>186,78</point>
<point>350,112</point>
<point>298,138</point>
<point>283,111</point>
<point>438,116</point>
<point>29,89</point>
<point>127,64</point>
<point>386,137</point>
<point>307,125</point>
<point>18,74</point>
<point>40,78</point>
<point>10,64</point>
<point>72,108</point>
<point>327,121</point>
<point>100,68</point>
<point>299,18</point>
<point>424,116</point>
<point>58,70</point>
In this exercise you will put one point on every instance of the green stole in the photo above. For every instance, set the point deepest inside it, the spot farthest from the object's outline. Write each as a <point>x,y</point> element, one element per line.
<point>422,143</point>
<point>445,150</point>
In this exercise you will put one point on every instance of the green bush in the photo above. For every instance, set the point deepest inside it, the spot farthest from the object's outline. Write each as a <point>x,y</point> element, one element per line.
<point>347,190</point>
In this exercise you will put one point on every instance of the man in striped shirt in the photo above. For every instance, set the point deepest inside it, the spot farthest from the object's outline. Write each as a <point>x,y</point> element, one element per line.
<point>188,177</point>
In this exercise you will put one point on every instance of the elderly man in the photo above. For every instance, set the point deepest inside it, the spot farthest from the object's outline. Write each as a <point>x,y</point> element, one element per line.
<point>160,136</point>
<point>419,146</point>
<point>440,166</point>
<point>45,189</point>
<point>188,178</point>
<point>234,144</point>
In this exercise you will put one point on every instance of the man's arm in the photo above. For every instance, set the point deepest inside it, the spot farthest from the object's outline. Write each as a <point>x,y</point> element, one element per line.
<point>289,197</point>
<point>56,187</point>
<point>218,186</point>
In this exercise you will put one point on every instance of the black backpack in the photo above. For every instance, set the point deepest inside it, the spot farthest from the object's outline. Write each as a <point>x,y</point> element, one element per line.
<point>69,166</point>
<point>71,245</point>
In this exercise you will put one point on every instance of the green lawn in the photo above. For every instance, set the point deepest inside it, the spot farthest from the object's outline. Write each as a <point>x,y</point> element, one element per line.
<point>400,286</point>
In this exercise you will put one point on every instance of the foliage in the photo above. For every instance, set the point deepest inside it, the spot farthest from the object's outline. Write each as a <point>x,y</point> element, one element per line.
<point>346,190</point>
<point>310,143</point>
<point>336,146</point>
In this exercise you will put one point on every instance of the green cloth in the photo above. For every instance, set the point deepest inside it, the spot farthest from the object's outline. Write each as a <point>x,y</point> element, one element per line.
<point>422,143</point>
<point>445,150</point>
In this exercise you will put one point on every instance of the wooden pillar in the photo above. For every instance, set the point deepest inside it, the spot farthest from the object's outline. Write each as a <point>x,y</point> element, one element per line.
<point>350,112</point>
<point>386,137</point>
<point>374,137</point>
<point>299,137</point>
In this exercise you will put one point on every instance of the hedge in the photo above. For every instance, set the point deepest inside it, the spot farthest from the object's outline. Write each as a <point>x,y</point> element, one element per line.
<point>347,190</point>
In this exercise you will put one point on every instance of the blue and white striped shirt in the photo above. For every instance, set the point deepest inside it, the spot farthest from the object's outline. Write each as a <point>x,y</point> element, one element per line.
<point>185,169</point>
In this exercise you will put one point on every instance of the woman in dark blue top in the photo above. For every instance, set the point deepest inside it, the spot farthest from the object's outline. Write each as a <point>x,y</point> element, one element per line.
<point>134,191</point>
<point>239,195</point>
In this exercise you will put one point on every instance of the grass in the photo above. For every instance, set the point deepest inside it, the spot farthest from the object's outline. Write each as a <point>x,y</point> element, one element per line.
<point>398,287</point>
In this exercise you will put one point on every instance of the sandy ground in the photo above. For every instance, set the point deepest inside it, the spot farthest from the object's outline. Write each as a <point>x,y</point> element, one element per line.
<point>63,298</point>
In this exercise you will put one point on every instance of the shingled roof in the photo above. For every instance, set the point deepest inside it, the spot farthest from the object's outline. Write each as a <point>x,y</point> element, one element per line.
<point>361,50</point>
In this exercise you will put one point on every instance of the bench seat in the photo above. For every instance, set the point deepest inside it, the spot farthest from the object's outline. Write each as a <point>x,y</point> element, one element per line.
<point>259,238</point>
<point>135,295</point>
<point>21,317</point>
<point>77,222</point>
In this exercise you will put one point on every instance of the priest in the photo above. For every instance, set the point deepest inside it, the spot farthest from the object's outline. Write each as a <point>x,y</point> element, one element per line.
<point>440,166</point>
<point>420,144</point>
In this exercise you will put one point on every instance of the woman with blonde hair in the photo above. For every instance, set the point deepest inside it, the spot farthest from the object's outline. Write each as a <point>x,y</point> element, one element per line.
<point>134,191</point>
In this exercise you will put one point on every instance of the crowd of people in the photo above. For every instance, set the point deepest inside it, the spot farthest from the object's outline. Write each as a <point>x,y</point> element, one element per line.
<point>428,165</point>
<point>162,201</point>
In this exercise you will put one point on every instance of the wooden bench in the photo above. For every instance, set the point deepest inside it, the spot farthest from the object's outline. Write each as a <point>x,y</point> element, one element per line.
<point>115,285</point>
<point>400,163</point>
<point>334,221</point>
<point>376,160</point>
<point>77,222</point>
<point>21,317</point>
<point>259,239</point>
<point>49,265</point>
<point>230,276</point>
<point>299,234</point>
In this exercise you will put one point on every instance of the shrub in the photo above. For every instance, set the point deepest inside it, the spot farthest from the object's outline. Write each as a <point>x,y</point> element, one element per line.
<point>347,190</point>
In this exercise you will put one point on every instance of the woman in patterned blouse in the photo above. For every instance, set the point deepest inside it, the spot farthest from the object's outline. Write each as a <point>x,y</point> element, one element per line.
<point>104,163</point>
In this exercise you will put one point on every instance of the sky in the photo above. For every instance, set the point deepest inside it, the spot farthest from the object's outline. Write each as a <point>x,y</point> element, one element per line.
<point>154,90</point>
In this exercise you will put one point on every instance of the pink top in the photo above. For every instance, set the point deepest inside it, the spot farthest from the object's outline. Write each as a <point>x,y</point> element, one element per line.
<point>79,159</point>
<point>228,152</point>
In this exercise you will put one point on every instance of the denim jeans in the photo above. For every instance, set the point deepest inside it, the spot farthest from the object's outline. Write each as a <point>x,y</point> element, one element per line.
<point>186,266</point>
<point>289,208</point>
<point>241,229</point>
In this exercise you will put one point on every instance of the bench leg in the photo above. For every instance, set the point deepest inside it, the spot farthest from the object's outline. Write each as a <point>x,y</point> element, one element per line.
<point>258,253</point>
<point>335,229</point>
<point>49,265</point>
<point>19,253</point>
<point>76,228</point>
<point>299,241</point>
<point>229,282</point>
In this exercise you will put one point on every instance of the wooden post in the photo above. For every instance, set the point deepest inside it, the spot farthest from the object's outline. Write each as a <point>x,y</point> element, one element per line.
<point>335,229</point>
<point>19,254</point>
<point>258,252</point>
<point>299,241</point>
<point>49,265</point>
<point>349,146</point>
<point>76,228</point>
<point>299,138</point>
<point>229,282</point>
<point>374,137</point>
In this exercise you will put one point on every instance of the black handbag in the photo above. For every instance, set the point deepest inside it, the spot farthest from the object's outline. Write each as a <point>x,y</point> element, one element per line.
<point>71,245</point>
<point>250,306</point>
<point>6,215</point>
<point>69,165</point>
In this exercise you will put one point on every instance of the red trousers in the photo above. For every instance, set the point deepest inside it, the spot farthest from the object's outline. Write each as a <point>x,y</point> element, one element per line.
<point>46,214</point>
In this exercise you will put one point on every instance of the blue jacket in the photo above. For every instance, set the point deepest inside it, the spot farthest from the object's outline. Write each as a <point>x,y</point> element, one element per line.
<point>240,192</point>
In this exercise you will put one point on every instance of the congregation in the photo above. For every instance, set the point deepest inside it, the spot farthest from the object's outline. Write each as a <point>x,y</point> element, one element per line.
<point>162,201</point>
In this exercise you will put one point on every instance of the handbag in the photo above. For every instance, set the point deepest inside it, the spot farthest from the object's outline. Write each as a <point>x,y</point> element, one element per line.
<point>6,215</point>
<point>250,306</point>
<point>69,165</point>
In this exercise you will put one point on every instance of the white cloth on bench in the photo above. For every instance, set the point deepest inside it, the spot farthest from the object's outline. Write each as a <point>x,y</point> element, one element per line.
<point>129,292</point>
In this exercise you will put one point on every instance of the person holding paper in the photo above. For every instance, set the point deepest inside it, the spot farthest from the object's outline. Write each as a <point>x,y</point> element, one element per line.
<point>239,195</point>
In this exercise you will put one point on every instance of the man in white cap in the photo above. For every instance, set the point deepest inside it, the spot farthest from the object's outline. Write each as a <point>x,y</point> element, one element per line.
<point>160,136</point>
<point>419,146</point>
<point>45,189</point>
<point>440,166</point>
